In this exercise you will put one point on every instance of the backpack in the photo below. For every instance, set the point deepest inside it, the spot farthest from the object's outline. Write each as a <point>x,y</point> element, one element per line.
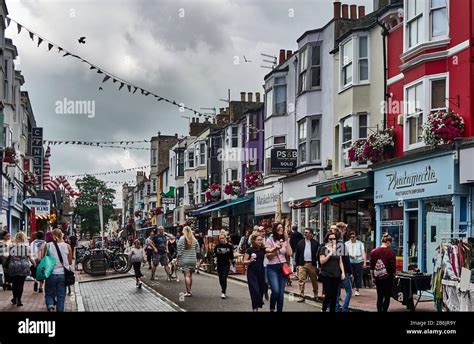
<point>380,270</point>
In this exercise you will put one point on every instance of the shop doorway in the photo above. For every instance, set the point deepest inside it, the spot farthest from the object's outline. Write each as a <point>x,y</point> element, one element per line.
<point>413,244</point>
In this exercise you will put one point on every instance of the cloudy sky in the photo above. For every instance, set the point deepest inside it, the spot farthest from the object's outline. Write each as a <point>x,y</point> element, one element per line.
<point>182,50</point>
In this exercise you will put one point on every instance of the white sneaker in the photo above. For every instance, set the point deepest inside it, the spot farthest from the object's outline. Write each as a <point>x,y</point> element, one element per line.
<point>223,296</point>
<point>357,293</point>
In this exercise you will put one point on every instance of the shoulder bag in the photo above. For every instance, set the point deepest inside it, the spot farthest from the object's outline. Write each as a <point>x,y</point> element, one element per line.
<point>69,278</point>
<point>46,266</point>
<point>285,268</point>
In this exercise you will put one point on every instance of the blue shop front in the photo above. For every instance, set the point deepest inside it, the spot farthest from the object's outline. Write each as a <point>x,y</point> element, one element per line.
<point>420,202</point>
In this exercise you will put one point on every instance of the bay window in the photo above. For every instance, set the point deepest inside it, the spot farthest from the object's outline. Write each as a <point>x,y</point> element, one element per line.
<point>303,66</point>
<point>280,96</point>
<point>190,159</point>
<point>309,69</point>
<point>235,137</point>
<point>302,141</point>
<point>269,103</point>
<point>309,140</point>
<point>354,64</point>
<point>426,20</point>
<point>422,98</point>
<point>354,127</point>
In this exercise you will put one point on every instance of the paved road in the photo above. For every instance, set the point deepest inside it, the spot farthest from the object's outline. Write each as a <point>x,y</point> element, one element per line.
<point>206,294</point>
<point>121,295</point>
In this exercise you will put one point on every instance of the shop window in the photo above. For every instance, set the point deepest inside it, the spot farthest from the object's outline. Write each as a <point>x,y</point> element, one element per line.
<point>392,223</point>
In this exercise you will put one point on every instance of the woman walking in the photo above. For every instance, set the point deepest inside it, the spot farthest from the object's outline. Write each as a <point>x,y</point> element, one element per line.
<point>137,257</point>
<point>332,271</point>
<point>188,249</point>
<point>278,253</point>
<point>55,284</point>
<point>19,266</point>
<point>224,253</point>
<point>4,243</point>
<point>35,247</point>
<point>253,259</point>
<point>382,269</point>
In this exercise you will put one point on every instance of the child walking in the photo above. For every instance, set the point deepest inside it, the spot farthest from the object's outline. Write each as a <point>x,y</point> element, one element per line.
<point>137,257</point>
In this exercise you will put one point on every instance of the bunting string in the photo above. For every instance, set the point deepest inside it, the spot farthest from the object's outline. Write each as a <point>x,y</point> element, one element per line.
<point>106,173</point>
<point>99,70</point>
<point>96,144</point>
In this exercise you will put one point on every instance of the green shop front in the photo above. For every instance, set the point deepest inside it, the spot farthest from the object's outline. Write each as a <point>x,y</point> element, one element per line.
<point>349,200</point>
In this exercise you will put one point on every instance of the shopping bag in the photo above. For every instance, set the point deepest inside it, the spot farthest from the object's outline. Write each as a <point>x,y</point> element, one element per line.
<point>45,267</point>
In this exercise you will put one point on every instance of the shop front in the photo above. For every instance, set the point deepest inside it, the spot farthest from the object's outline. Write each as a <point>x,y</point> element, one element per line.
<point>349,200</point>
<point>420,203</point>
<point>268,205</point>
<point>297,196</point>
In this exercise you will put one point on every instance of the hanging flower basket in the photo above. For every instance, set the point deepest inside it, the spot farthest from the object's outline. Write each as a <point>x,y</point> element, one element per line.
<point>138,213</point>
<point>9,155</point>
<point>232,188</point>
<point>377,147</point>
<point>356,152</point>
<point>214,192</point>
<point>442,128</point>
<point>253,180</point>
<point>30,179</point>
<point>158,211</point>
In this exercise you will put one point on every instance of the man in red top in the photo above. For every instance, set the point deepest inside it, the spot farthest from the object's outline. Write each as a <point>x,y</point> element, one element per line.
<point>382,270</point>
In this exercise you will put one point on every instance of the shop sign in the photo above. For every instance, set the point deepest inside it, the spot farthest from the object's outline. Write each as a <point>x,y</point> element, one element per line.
<point>394,223</point>
<point>345,185</point>
<point>37,153</point>
<point>41,206</point>
<point>265,201</point>
<point>167,200</point>
<point>426,178</point>
<point>283,160</point>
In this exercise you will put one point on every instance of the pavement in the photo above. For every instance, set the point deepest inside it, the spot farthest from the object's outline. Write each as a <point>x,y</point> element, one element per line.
<point>206,294</point>
<point>366,302</point>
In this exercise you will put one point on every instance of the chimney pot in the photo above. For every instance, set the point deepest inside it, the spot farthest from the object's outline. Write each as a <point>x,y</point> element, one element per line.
<point>337,9</point>
<point>193,120</point>
<point>250,97</point>
<point>257,97</point>
<point>288,54</point>
<point>361,11</point>
<point>345,11</point>
<point>197,119</point>
<point>242,96</point>
<point>353,11</point>
<point>282,56</point>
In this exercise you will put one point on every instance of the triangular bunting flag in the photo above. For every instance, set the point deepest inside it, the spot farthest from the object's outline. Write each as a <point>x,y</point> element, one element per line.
<point>32,35</point>
<point>92,67</point>
<point>40,40</point>
<point>66,54</point>
<point>114,81</point>
<point>121,85</point>
<point>99,71</point>
<point>50,46</point>
<point>19,27</point>
<point>135,90</point>
<point>8,22</point>
<point>106,78</point>
<point>129,88</point>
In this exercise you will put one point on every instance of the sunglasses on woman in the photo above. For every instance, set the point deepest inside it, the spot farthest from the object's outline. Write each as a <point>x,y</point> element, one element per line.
<point>331,239</point>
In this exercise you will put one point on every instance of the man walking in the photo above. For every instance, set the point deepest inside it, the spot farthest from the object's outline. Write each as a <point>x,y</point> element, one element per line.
<point>160,254</point>
<point>306,261</point>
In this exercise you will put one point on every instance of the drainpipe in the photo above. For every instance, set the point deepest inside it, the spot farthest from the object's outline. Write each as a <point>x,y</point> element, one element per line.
<point>385,71</point>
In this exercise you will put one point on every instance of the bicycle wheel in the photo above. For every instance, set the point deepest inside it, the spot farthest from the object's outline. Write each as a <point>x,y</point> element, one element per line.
<point>121,263</point>
<point>86,265</point>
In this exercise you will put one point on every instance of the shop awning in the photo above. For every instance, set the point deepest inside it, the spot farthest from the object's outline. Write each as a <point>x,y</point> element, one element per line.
<point>231,203</point>
<point>339,196</point>
<point>209,206</point>
<point>170,193</point>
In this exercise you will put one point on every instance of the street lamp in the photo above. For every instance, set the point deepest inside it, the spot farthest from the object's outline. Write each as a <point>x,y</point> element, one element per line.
<point>190,189</point>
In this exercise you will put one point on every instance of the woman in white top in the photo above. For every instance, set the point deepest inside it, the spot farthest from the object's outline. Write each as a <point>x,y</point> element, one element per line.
<point>55,291</point>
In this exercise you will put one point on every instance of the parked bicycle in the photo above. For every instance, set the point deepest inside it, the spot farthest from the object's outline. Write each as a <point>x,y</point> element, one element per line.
<point>114,259</point>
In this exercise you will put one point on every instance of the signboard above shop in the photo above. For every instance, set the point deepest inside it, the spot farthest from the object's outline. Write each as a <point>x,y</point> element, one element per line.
<point>364,181</point>
<point>283,160</point>
<point>41,206</point>
<point>418,179</point>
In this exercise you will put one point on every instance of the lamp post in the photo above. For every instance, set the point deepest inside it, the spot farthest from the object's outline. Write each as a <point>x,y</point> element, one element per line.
<point>191,190</point>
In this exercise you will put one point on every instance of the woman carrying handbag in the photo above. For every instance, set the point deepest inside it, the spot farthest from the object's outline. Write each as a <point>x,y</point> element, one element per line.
<point>278,253</point>
<point>55,290</point>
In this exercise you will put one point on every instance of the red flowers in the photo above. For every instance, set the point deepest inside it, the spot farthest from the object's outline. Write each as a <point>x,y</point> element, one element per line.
<point>443,128</point>
<point>214,192</point>
<point>232,188</point>
<point>377,147</point>
<point>253,180</point>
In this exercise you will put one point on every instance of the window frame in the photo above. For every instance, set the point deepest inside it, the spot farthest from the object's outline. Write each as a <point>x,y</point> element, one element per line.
<point>307,125</point>
<point>426,18</point>
<point>202,153</point>
<point>355,136</point>
<point>355,62</point>
<point>275,87</point>
<point>234,136</point>
<point>426,82</point>
<point>189,159</point>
